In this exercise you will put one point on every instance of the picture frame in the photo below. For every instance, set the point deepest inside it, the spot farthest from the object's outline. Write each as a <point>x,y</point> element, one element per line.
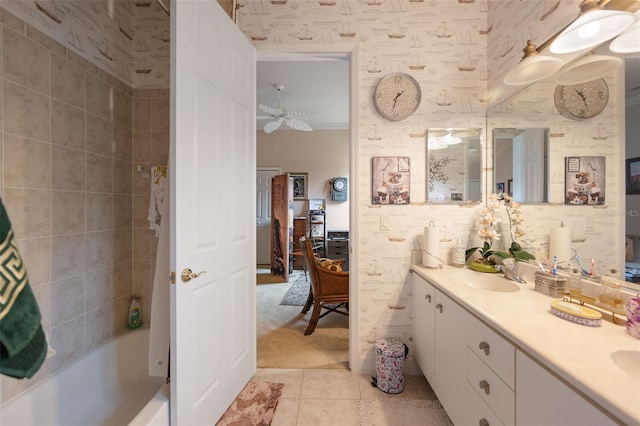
<point>633,175</point>
<point>390,180</point>
<point>300,182</point>
<point>499,187</point>
<point>510,187</point>
<point>585,180</point>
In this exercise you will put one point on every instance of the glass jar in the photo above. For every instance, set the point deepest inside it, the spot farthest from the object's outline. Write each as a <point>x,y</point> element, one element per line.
<point>610,295</point>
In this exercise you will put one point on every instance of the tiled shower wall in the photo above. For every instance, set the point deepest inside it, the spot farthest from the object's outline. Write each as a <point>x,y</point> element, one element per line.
<point>70,143</point>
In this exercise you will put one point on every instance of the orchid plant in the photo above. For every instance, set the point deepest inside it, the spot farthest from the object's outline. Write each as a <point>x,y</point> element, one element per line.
<point>488,221</point>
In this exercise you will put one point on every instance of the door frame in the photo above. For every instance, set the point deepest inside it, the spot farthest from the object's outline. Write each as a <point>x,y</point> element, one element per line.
<point>349,51</point>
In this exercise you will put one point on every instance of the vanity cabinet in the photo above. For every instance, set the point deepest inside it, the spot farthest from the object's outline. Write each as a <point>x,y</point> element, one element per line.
<point>542,399</point>
<point>439,345</point>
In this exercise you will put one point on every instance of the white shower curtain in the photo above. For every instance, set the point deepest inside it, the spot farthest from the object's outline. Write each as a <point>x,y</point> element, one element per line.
<point>159,340</point>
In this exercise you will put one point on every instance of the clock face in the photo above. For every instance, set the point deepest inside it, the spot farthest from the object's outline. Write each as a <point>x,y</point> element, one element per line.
<point>397,96</point>
<point>584,100</point>
<point>339,185</point>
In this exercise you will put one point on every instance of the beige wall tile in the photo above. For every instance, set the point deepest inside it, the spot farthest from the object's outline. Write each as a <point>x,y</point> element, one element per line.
<point>29,212</point>
<point>160,147</point>
<point>27,163</point>
<point>123,142</point>
<point>121,177</point>
<point>99,173</point>
<point>122,245</point>
<point>148,93</point>
<point>99,251</point>
<point>23,61</point>
<point>142,114</point>
<point>160,114</point>
<point>122,279</point>
<point>143,239</point>
<point>99,212</point>
<point>68,168</point>
<point>67,125</point>
<point>98,289</point>
<point>98,97</point>
<point>141,146</point>
<point>122,211</point>
<point>99,135</point>
<point>67,212</point>
<point>122,113</point>
<point>110,80</point>
<point>98,325</point>
<point>142,276</point>
<point>35,254</point>
<point>42,294</point>
<point>78,60</point>
<point>142,180</point>
<point>11,21</point>
<point>26,112</point>
<point>120,309</point>
<point>140,210</point>
<point>67,299</point>
<point>67,81</point>
<point>46,41</point>
<point>67,256</point>
<point>68,340</point>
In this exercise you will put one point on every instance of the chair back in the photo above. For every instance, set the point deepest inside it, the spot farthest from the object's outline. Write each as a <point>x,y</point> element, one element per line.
<point>309,260</point>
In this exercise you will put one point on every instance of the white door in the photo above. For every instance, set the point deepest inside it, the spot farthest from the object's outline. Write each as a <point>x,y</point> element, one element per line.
<point>263,214</point>
<point>213,157</point>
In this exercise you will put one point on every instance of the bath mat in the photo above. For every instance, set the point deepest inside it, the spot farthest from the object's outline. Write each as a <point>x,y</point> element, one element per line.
<point>298,292</point>
<point>254,405</point>
<point>403,411</point>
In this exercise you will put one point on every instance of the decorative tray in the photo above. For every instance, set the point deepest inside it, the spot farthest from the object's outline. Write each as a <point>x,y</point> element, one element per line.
<point>576,313</point>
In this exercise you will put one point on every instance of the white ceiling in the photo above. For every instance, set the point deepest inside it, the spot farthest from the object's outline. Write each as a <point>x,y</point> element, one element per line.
<point>319,86</point>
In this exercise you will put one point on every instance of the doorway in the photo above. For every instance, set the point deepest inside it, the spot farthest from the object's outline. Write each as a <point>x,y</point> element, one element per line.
<point>284,321</point>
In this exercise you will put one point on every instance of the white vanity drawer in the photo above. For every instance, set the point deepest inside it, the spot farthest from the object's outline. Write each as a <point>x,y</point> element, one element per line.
<point>478,412</point>
<point>498,396</point>
<point>493,350</point>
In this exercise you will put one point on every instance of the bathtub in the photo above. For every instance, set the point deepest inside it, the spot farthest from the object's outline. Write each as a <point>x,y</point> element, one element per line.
<point>108,386</point>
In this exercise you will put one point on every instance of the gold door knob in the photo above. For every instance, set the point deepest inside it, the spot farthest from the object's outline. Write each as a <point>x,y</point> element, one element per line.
<point>188,274</point>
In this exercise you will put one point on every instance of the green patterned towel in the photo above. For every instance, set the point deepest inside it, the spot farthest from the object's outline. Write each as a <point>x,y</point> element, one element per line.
<point>23,346</point>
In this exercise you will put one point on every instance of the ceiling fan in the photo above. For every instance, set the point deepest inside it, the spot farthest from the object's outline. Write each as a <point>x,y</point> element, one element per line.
<point>279,115</point>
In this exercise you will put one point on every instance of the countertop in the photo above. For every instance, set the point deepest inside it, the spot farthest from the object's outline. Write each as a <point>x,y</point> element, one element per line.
<point>589,358</point>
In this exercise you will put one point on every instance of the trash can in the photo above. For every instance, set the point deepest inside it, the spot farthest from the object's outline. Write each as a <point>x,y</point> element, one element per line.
<point>390,356</point>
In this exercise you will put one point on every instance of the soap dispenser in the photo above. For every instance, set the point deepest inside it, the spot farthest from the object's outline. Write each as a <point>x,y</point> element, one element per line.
<point>459,254</point>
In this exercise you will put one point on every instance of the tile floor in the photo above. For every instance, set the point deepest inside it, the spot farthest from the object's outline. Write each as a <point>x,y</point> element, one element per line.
<point>330,397</point>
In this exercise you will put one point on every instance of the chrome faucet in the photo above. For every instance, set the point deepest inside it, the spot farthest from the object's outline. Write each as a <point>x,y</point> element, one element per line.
<point>510,269</point>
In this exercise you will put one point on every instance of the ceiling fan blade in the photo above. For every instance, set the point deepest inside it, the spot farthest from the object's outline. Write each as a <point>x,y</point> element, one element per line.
<point>297,124</point>
<point>272,126</point>
<point>297,113</point>
<point>276,112</point>
<point>264,117</point>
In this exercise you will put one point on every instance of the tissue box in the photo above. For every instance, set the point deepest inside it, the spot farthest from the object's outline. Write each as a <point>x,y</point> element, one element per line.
<point>550,285</point>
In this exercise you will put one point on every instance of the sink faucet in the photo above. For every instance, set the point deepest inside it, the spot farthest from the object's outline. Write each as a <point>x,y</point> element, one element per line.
<point>510,269</point>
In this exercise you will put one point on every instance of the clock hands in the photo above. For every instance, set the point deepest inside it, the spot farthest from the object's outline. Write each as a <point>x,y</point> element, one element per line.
<point>584,99</point>
<point>395,99</point>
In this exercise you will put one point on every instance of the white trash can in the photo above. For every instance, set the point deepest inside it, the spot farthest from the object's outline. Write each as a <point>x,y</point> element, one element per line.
<point>390,356</point>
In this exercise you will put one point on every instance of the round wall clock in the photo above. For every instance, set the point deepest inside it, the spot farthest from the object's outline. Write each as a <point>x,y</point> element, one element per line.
<point>339,189</point>
<point>397,96</point>
<point>584,100</point>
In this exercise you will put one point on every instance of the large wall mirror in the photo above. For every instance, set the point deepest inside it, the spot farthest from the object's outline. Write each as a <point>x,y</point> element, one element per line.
<point>454,165</point>
<point>521,163</point>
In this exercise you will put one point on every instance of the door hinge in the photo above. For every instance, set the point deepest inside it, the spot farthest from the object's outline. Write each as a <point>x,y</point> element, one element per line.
<point>172,277</point>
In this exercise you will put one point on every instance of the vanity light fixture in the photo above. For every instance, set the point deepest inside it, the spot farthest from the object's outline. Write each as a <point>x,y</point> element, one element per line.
<point>587,68</point>
<point>449,139</point>
<point>594,26</point>
<point>532,67</point>
<point>627,42</point>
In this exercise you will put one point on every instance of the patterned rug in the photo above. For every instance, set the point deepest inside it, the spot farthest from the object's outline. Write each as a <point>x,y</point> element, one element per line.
<point>298,292</point>
<point>254,406</point>
<point>403,411</point>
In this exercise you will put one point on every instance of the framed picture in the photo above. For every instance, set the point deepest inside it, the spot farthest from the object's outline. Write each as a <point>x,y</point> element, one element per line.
<point>510,187</point>
<point>391,178</point>
<point>300,185</point>
<point>633,175</point>
<point>456,196</point>
<point>499,187</point>
<point>585,180</point>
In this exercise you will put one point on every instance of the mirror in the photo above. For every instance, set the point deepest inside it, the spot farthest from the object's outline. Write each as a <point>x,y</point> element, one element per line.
<point>521,163</point>
<point>454,160</point>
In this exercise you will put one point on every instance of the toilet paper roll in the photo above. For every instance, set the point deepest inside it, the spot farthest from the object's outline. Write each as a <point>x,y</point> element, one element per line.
<point>560,243</point>
<point>431,247</point>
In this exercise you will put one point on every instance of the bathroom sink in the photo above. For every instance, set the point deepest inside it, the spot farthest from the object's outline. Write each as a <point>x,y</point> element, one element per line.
<point>628,361</point>
<point>500,285</point>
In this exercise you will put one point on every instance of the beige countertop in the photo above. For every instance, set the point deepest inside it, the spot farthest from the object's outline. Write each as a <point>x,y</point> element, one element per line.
<point>601,362</point>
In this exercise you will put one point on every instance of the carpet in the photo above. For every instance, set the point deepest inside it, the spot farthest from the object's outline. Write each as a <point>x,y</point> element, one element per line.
<point>254,405</point>
<point>402,412</point>
<point>298,292</point>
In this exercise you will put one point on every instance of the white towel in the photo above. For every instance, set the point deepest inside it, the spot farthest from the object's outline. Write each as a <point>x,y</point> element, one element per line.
<point>156,197</point>
<point>159,339</point>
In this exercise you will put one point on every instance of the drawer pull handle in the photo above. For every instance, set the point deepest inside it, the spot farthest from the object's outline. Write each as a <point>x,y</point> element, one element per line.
<point>484,385</point>
<point>483,422</point>
<point>428,297</point>
<point>485,347</point>
<point>439,307</point>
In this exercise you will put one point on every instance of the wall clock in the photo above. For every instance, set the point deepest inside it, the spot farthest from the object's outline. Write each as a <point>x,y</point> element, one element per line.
<point>584,100</point>
<point>397,96</point>
<point>339,189</point>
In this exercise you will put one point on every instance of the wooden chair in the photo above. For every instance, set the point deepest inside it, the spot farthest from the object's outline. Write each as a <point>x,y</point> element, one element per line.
<point>327,288</point>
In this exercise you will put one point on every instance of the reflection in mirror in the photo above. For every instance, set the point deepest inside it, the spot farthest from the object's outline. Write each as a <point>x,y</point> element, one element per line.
<point>454,165</point>
<point>521,163</point>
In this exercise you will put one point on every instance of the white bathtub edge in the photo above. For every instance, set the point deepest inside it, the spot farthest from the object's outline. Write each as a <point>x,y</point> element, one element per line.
<point>156,412</point>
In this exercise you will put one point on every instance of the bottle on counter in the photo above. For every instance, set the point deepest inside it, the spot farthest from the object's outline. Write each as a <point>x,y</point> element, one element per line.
<point>135,314</point>
<point>459,257</point>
